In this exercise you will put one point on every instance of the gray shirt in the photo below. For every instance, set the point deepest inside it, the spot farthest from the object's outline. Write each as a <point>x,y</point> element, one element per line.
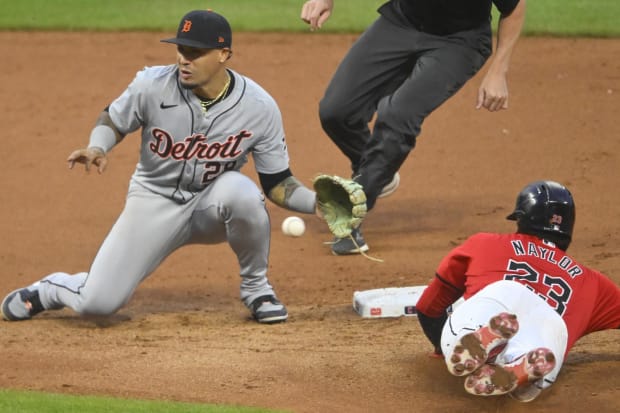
<point>183,149</point>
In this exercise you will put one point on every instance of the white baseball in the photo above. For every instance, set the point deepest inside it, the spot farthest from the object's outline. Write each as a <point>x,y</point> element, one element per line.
<point>293,227</point>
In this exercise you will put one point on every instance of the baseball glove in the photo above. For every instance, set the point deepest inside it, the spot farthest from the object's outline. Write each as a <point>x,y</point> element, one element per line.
<point>341,202</point>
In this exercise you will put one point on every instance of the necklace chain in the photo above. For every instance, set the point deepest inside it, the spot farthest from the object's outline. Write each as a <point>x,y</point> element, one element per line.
<point>206,104</point>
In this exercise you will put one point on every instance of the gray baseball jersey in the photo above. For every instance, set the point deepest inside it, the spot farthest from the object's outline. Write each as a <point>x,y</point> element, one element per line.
<point>183,149</point>
<point>185,189</point>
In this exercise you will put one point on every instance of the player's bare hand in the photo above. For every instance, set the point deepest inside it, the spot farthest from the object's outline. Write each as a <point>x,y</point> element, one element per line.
<point>316,12</point>
<point>89,157</point>
<point>493,93</point>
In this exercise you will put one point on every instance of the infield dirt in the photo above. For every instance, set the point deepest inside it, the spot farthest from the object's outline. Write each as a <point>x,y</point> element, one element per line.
<point>186,336</point>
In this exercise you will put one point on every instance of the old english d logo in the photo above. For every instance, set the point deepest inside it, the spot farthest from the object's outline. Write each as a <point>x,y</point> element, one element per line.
<point>187,26</point>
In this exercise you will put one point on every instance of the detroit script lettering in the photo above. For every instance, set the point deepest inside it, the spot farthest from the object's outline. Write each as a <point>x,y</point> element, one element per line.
<point>196,146</point>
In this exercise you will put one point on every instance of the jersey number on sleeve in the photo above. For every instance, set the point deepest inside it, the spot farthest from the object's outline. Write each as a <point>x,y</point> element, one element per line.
<point>559,291</point>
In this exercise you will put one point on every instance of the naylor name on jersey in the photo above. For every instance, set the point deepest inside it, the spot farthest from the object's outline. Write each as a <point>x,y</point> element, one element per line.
<point>196,146</point>
<point>548,255</point>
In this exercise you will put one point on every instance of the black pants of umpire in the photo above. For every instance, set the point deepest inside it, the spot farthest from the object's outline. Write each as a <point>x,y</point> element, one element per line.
<point>400,74</point>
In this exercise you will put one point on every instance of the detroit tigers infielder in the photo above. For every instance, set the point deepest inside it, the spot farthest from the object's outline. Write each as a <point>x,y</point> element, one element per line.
<point>526,301</point>
<point>200,121</point>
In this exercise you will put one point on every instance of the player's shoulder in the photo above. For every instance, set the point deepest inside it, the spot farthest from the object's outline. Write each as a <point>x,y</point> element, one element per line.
<point>154,80</point>
<point>253,91</point>
<point>482,237</point>
<point>156,73</point>
<point>486,241</point>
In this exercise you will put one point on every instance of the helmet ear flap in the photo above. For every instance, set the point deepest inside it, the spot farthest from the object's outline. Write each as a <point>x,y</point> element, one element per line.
<point>545,209</point>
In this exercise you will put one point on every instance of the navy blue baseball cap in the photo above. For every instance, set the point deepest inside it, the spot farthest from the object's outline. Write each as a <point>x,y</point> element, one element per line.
<point>204,29</point>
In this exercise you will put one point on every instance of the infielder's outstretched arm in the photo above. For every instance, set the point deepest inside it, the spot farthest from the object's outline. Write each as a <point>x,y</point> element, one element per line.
<point>284,190</point>
<point>102,138</point>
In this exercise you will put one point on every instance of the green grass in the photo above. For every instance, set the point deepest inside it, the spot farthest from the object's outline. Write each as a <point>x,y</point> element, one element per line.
<point>34,402</point>
<point>596,18</point>
<point>244,15</point>
<point>599,18</point>
<point>588,18</point>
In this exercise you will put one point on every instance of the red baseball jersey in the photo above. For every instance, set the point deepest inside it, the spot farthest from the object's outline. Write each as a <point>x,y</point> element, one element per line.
<point>587,300</point>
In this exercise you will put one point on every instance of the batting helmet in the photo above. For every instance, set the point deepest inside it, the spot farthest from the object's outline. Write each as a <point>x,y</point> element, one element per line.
<point>545,209</point>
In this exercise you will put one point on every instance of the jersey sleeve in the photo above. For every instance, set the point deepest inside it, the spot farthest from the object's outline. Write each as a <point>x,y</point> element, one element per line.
<point>447,287</point>
<point>127,110</point>
<point>271,153</point>
<point>437,297</point>
<point>449,282</point>
<point>505,6</point>
<point>453,267</point>
<point>606,314</point>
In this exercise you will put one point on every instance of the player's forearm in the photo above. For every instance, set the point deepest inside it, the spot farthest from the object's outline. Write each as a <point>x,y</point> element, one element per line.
<point>508,32</point>
<point>293,195</point>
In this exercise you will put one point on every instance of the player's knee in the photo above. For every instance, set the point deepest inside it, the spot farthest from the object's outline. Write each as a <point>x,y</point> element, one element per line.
<point>245,190</point>
<point>98,304</point>
<point>331,113</point>
<point>399,127</point>
<point>403,121</point>
<point>247,203</point>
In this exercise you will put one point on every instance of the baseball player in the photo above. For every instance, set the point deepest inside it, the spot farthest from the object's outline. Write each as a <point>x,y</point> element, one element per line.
<point>526,301</point>
<point>199,122</point>
<point>414,57</point>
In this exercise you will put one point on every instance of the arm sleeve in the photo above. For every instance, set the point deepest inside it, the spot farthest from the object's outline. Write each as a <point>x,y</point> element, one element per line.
<point>432,327</point>
<point>269,181</point>
<point>447,287</point>
<point>286,191</point>
<point>432,309</point>
<point>437,297</point>
<point>126,111</point>
<point>271,152</point>
<point>506,6</point>
<point>606,314</point>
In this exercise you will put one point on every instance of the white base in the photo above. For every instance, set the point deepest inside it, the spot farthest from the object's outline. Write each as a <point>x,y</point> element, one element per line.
<point>389,302</point>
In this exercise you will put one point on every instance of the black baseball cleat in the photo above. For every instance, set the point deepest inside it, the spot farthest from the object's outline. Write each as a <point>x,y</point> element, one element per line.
<point>268,310</point>
<point>22,304</point>
<point>355,244</point>
<point>391,187</point>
